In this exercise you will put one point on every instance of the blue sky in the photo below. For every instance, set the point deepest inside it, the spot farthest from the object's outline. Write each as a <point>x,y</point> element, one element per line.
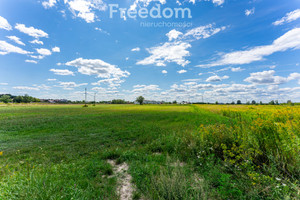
<point>226,50</point>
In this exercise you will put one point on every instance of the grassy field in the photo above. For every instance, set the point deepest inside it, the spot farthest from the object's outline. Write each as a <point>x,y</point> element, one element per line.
<point>173,151</point>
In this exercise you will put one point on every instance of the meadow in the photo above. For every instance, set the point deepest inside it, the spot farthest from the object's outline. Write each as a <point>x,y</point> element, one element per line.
<point>172,151</point>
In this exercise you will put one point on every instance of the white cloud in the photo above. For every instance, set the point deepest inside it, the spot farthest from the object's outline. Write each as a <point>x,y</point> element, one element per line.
<point>84,8</point>
<point>44,52</point>
<point>145,88</point>
<point>289,17</point>
<point>56,49</point>
<point>31,61</point>
<point>237,69</point>
<point>290,40</point>
<point>16,40</point>
<point>218,2</point>
<point>3,83</point>
<point>177,51</point>
<point>111,74</point>
<point>49,3</point>
<point>70,85</point>
<point>37,57</point>
<point>266,78</point>
<point>200,74</point>
<point>203,32</point>
<point>102,31</point>
<point>144,3</point>
<point>6,48</point>
<point>136,49</point>
<point>111,82</point>
<point>62,72</point>
<point>26,88</point>
<point>249,12</point>
<point>97,67</point>
<point>51,79</point>
<point>36,41</point>
<point>216,78</point>
<point>164,71</point>
<point>31,31</point>
<point>173,34</point>
<point>4,24</point>
<point>168,52</point>
<point>181,71</point>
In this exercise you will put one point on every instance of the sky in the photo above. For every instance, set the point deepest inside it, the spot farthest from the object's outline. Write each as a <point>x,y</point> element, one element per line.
<point>184,50</point>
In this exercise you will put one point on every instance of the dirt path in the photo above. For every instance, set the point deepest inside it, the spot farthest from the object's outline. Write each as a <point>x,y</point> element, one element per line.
<point>125,188</point>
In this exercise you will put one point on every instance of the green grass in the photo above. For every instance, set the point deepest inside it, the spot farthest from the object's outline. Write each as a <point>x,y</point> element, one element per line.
<point>61,152</point>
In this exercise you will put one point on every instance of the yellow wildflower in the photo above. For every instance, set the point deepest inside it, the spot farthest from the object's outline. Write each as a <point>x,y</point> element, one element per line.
<point>1,153</point>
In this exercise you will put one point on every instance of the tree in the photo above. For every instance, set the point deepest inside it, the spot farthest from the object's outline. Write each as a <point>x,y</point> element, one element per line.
<point>261,103</point>
<point>140,99</point>
<point>175,102</point>
<point>253,102</point>
<point>118,101</point>
<point>233,103</point>
<point>238,102</point>
<point>5,99</point>
<point>272,102</point>
<point>217,102</point>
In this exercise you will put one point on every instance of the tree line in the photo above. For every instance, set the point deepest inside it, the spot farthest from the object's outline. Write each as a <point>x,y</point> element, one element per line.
<point>8,98</point>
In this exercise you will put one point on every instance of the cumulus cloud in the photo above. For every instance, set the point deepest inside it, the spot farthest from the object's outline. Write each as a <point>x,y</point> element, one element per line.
<point>168,52</point>
<point>181,71</point>
<point>4,24</point>
<point>144,3</point>
<point>216,78</point>
<point>164,71</point>
<point>62,72</point>
<point>56,49</point>
<point>136,49</point>
<point>3,83</point>
<point>70,85</point>
<point>249,11</point>
<point>49,3</point>
<point>31,31</point>
<point>266,78</point>
<point>36,41</point>
<point>237,69</point>
<point>203,32</point>
<point>216,2</point>
<point>177,51</point>
<point>97,67</point>
<point>44,52</point>
<point>31,61</point>
<point>6,48</point>
<point>290,40</point>
<point>51,79</point>
<point>85,8</point>
<point>173,34</point>
<point>289,17</point>
<point>16,40</point>
<point>111,74</point>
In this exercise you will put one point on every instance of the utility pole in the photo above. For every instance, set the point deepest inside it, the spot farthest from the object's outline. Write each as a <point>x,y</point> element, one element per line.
<point>95,99</point>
